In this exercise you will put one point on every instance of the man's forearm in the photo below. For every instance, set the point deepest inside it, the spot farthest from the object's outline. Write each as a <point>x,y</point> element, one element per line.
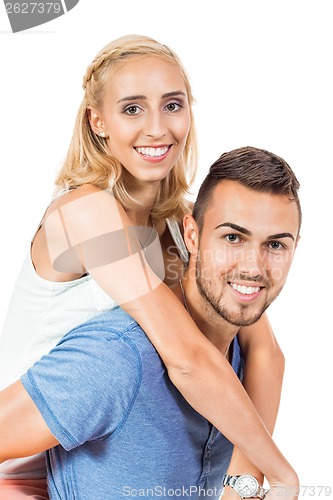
<point>23,431</point>
<point>263,376</point>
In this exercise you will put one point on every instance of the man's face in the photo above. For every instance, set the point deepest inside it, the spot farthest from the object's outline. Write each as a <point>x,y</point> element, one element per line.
<point>245,251</point>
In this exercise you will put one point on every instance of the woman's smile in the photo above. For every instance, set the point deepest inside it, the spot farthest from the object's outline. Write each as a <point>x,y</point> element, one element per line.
<point>153,153</point>
<point>146,116</point>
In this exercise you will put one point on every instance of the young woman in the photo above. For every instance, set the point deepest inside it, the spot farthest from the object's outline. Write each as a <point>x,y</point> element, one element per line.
<point>111,236</point>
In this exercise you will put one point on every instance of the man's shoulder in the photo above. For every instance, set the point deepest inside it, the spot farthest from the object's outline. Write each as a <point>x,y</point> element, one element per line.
<point>97,353</point>
<point>111,335</point>
<point>114,322</point>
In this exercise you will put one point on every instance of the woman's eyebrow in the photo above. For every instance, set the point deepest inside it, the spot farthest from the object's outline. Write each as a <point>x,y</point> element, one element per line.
<point>174,93</point>
<point>132,98</point>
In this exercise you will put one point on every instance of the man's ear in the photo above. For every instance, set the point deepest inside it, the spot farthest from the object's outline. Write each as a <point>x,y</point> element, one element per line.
<point>191,233</point>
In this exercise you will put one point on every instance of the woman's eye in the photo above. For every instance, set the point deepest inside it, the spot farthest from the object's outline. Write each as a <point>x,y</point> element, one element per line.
<point>173,106</point>
<point>132,110</point>
<point>233,238</point>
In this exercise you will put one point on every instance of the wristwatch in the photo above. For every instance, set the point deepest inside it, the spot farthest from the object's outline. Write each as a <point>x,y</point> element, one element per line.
<point>245,485</point>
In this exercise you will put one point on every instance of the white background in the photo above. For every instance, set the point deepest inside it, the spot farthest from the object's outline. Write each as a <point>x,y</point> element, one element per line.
<point>262,75</point>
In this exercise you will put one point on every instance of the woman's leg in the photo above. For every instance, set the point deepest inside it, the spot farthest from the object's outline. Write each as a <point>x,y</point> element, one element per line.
<point>20,489</point>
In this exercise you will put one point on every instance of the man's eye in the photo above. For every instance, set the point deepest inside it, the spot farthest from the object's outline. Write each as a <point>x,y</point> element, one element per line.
<point>276,245</point>
<point>233,238</point>
<point>132,110</point>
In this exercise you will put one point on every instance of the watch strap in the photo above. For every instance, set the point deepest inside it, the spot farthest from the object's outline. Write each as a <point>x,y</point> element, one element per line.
<point>229,480</point>
<point>262,492</point>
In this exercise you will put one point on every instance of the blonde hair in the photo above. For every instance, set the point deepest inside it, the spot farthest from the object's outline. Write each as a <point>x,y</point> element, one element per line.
<point>89,160</point>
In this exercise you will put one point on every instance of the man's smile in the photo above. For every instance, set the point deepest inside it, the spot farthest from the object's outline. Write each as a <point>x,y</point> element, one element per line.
<point>244,292</point>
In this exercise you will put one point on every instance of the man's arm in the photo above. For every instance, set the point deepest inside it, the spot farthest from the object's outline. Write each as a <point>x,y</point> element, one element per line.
<point>57,401</point>
<point>23,431</point>
<point>263,375</point>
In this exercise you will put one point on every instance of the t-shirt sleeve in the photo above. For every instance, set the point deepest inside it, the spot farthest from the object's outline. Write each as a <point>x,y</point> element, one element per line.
<point>85,387</point>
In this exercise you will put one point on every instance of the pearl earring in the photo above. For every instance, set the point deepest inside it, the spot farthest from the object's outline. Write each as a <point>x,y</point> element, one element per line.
<point>102,134</point>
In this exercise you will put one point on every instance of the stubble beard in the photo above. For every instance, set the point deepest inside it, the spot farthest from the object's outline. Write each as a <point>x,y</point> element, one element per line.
<point>215,302</point>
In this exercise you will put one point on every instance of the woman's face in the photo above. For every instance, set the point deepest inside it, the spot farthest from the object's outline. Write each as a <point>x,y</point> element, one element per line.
<point>146,116</point>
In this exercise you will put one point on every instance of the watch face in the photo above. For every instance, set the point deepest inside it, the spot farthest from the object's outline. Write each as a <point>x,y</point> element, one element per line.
<point>246,486</point>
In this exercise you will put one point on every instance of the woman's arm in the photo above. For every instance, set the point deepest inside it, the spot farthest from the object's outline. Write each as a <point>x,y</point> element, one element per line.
<point>263,375</point>
<point>96,233</point>
<point>209,383</point>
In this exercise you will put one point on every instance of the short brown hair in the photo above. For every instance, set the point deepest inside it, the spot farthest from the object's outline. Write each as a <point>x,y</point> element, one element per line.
<point>254,168</point>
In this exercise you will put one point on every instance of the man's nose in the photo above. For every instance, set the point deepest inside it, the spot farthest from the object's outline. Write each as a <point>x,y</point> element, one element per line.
<point>252,264</point>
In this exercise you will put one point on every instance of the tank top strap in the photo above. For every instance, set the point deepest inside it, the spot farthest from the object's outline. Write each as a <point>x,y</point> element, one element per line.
<point>178,239</point>
<point>60,193</point>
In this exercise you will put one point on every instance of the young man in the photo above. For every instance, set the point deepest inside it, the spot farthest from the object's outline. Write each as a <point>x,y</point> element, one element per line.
<point>103,392</point>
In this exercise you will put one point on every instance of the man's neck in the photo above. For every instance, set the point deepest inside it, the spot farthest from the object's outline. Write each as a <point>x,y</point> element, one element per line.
<point>211,324</point>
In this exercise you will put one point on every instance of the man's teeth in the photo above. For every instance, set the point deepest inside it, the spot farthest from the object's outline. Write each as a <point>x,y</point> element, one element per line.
<point>247,290</point>
<point>152,151</point>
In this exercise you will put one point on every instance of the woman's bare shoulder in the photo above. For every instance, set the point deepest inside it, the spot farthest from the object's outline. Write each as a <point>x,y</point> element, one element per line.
<point>86,201</point>
<point>75,194</point>
<point>86,212</point>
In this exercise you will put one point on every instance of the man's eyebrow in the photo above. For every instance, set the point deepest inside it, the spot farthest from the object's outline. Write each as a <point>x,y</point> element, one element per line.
<point>281,235</point>
<point>240,229</point>
<point>243,230</point>
<point>174,93</point>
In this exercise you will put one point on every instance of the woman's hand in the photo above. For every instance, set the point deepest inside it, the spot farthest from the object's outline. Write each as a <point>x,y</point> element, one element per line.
<point>230,494</point>
<point>276,492</point>
<point>283,491</point>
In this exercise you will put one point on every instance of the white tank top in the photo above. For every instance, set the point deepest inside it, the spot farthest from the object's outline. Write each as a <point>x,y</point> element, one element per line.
<point>40,313</point>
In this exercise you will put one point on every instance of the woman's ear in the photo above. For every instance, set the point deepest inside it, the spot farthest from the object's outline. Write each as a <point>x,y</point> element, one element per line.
<point>191,233</point>
<point>96,122</point>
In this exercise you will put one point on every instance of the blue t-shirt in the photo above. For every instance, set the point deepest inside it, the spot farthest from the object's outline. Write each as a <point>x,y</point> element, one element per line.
<point>125,430</point>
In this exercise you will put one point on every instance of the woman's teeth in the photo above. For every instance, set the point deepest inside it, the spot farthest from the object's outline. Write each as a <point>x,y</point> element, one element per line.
<point>152,151</point>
